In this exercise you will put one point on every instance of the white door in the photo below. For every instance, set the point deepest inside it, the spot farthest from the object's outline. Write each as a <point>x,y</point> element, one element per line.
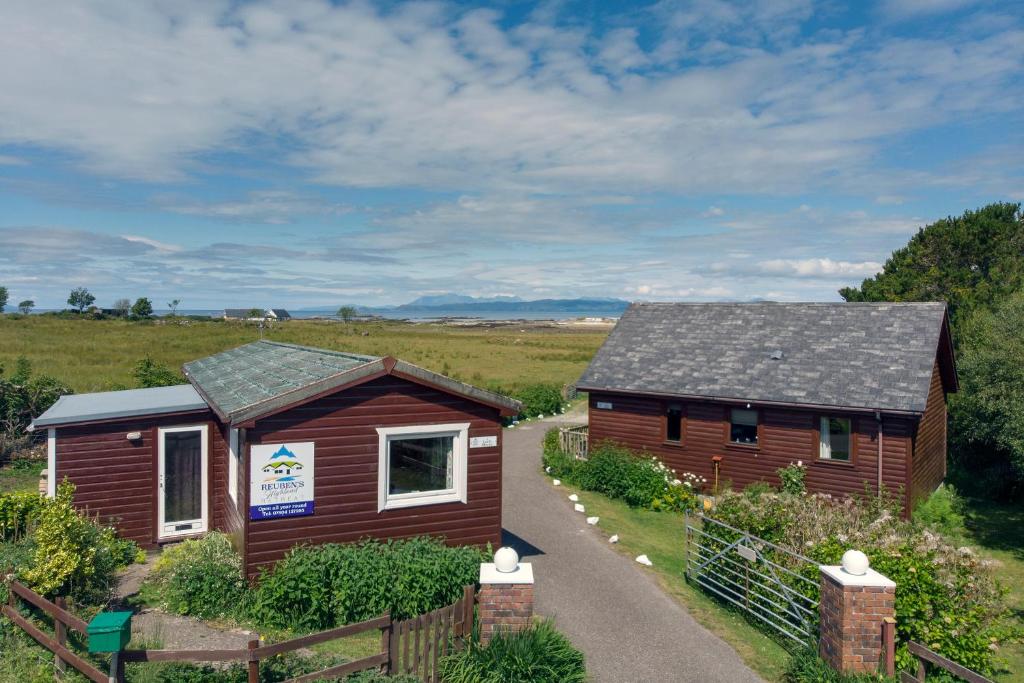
<point>182,494</point>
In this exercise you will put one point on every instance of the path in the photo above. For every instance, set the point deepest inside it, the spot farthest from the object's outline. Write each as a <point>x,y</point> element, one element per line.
<point>628,628</point>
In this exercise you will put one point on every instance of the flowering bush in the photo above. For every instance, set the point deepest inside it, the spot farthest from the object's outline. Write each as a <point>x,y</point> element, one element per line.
<point>946,597</point>
<point>792,477</point>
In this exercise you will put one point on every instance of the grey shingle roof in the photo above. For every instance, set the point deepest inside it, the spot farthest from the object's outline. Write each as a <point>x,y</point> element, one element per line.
<point>261,377</point>
<point>857,355</point>
<point>110,405</point>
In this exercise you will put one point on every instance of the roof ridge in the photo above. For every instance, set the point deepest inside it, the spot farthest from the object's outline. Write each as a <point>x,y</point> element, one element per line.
<point>326,352</point>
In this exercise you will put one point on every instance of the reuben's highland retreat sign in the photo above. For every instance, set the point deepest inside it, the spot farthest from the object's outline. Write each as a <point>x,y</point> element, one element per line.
<point>281,480</point>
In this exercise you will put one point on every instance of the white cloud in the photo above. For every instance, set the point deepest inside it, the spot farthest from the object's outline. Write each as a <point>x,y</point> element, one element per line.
<point>906,9</point>
<point>818,267</point>
<point>267,206</point>
<point>713,211</point>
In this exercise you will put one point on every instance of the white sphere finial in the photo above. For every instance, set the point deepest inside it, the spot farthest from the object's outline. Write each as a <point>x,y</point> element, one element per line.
<point>855,562</point>
<point>506,560</point>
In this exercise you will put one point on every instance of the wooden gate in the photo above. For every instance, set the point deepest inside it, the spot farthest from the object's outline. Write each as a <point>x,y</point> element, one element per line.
<point>417,644</point>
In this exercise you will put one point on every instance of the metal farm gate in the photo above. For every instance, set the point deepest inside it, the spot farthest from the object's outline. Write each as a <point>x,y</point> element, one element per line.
<point>764,580</point>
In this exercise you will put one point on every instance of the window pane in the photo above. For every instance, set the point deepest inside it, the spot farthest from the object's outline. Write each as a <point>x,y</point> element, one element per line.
<point>838,437</point>
<point>674,424</point>
<point>183,476</point>
<point>743,427</point>
<point>420,464</point>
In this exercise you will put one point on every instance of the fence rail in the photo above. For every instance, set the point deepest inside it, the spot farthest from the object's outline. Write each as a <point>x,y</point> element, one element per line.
<point>923,655</point>
<point>411,646</point>
<point>574,440</point>
<point>752,574</point>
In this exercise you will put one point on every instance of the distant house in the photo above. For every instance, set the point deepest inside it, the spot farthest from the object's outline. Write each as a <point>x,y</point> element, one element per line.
<point>277,444</point>
<point>855,391</point>
<point>248,314</point>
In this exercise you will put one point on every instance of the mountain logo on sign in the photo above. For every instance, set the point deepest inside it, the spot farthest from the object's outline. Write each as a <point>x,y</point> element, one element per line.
<point>282,466</point>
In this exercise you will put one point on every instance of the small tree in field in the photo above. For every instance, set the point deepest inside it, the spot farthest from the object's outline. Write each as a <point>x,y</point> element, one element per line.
<point>26,306</point>
<point>122,307</point>
<point>80,298</point>
<point>3,298</point>
<point>142,308</point>
<point>347,313</point>
<point>173,305</point>
<point>257,314</point>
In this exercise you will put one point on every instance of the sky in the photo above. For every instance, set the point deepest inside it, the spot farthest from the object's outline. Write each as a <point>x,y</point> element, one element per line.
<point>302,152</point>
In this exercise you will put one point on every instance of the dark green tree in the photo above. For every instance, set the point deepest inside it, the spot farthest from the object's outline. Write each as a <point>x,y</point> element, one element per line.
<point>3,298</point>
<point>970,261</point>
<point>80,298</point>
<point>149,373</point>
<point>142,308</point>
<point>24,396</point>
<point>347,313</point>
<point>26,306</point>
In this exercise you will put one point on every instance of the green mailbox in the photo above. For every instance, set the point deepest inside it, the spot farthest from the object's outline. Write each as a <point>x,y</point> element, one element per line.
<point>110,631</point>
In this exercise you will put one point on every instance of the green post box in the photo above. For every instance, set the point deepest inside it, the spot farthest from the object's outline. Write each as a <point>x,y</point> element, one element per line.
<point>110,631</point>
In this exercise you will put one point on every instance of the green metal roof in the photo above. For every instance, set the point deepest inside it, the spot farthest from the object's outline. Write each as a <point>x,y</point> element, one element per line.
<point>262,377</point>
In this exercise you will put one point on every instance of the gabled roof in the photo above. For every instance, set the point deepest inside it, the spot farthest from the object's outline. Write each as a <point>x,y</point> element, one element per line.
<point>112,405</point>
<point>872,356</point>
<point>265,377</point>
<point>241,312</point>
<point>279,313</point>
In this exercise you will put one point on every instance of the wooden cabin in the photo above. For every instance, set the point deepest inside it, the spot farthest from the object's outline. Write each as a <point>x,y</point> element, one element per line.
<point>277,445</point>
<point>855,391</point>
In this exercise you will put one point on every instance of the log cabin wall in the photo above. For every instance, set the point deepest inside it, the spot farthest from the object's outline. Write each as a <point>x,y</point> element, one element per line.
<point>784,436</point>
<point>117,479</point>
<point>343,427</point>
<point>929,461</point>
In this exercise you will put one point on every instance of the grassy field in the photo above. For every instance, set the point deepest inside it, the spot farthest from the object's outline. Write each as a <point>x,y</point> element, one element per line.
<point>98,355</point>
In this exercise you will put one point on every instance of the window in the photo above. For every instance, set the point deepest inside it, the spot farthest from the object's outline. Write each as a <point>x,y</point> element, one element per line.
<point>835,439</point>
<point>422,465</point>
<point>674,423</point>
<point>233,465</point>
<point>743,426</point>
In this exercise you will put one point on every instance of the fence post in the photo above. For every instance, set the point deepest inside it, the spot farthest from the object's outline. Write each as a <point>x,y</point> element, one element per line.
<point>254,663</point>
<point>386,644</point>
<point>855,602</point>
<point>889,642</point>
<point>61,634</point>
<point>468,600</point>
<point>506,594</point>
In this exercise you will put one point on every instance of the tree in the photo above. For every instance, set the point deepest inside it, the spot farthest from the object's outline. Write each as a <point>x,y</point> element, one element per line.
<point>173,305</point>
<point>80,298</point>
<point>256,313</point>
<point>142,308</point>
<point>24,396</point>
<point>26,306</point>
<point>122,307</point>
<point>347,313</point>
<point>3,298</point>
<point>969,262</point>
<point>149,373</point>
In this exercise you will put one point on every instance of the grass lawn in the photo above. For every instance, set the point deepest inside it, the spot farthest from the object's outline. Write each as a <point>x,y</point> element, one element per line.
<point>20,475</point>
<point>98,355</point>
<point>660,536</point>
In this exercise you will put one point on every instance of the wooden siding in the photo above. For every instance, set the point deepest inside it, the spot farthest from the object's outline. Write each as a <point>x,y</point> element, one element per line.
<point>343,426</point>
<point>116,478</point>
<point>929,462</point>
<point>784,436</point>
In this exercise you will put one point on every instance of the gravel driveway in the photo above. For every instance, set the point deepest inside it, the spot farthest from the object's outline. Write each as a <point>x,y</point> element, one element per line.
<point>607,605</point>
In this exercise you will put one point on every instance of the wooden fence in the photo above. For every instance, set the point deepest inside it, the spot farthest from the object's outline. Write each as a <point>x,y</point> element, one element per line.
<point>413,646</point>
<point>924,655</point>
<point>573,440</point>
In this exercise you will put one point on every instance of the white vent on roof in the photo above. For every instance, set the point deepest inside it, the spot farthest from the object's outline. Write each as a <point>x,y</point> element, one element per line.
<point>776,354</point>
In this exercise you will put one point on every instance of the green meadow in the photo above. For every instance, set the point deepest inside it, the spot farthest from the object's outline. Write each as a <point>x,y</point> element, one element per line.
<point>98,355</point>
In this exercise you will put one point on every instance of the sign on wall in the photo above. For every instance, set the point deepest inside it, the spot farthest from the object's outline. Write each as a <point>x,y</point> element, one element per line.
<point>483,442</point>
<point>281,480</point>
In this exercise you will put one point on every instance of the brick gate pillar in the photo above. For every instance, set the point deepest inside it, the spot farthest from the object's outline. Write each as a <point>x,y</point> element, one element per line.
<point>855,603</point>
<point>505,600</point>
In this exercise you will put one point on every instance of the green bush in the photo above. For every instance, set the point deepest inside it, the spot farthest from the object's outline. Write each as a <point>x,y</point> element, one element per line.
<point>792,478</point>
<point>18,512</point>
<point>200,577</point>
<point>942,512</point>
<point>73,555</point>
<point>617,472</point>
<point>946,597</point>
<point>539,654</point>
<point>540,399</point>
<point>807,667</point>
<point>23,396</point>
<point>318,587</point>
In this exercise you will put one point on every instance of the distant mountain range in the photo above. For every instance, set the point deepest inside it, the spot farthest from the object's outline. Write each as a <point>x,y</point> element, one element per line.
<point>455,304</point>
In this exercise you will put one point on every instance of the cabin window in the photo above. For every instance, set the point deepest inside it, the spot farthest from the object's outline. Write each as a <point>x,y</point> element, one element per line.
<point>233,465</point>
<point>422,465</point>
<point>674,423</point>
<point>835,439</point>
<point>743,426</point>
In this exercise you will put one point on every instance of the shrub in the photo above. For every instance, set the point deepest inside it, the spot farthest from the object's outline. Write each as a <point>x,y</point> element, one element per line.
<point>946,598</point>
<point>18,511</point>
<point>148,373</point>
<point>942,512</point>
<point>792,478</point>
<point>318,587</point>
<point>539,654</point>
<point>73,555</point>
<point>23,396</point>
<point>200,577</point>
<point>557,462</point>
<point>540,399</point>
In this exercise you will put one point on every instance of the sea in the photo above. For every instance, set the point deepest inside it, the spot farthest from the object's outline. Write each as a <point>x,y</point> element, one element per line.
<point>417,316</point>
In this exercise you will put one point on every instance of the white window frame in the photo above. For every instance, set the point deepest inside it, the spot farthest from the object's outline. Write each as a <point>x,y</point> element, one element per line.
<point>204,523</point>
<point>460,452</point>
<point>233,465</point>
<point>825,439</point>
<point>51,462</point>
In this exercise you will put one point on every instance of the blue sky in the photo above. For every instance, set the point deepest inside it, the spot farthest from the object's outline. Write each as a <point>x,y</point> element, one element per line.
<point>308,152</point>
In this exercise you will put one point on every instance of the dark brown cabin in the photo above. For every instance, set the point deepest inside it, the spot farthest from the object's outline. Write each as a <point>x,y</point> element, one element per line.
<point>855,391</point>
<point>278,445</point>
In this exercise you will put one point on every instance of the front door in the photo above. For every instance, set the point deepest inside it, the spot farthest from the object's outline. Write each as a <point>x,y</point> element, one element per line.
<point>183,464</point>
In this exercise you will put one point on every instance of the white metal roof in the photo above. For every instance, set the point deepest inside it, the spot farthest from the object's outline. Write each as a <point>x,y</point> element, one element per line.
<point>109,405</point>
